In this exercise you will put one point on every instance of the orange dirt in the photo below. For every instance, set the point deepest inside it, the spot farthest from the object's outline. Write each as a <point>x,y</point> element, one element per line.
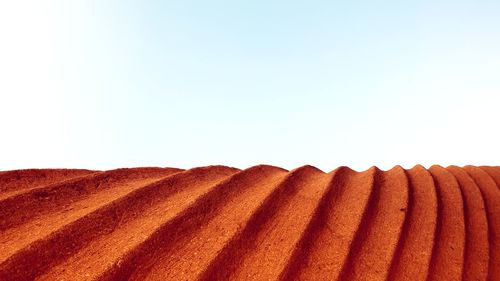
<point>261,223</point>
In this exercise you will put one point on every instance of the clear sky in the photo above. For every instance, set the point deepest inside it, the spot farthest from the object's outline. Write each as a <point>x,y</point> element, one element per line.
<point>107,84</point>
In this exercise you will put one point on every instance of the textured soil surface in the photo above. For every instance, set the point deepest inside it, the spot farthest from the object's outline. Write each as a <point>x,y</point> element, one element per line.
<point>261,223</point>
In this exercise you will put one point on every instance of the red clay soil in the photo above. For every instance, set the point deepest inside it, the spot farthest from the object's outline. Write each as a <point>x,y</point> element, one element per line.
<point>261,223</point>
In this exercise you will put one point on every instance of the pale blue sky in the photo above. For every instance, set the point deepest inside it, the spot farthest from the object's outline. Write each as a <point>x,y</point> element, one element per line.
<point>106,84</point>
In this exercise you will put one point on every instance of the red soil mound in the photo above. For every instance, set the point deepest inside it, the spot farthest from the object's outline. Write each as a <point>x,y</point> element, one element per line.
<point>262,223</point>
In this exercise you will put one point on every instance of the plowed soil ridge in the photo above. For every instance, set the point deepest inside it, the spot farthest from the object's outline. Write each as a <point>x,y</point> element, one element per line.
<point>261,223</point>
<point>447,262</point>
<point>15,182</point>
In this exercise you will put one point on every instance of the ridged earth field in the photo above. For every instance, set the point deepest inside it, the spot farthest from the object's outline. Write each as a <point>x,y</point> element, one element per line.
<point>261,223</point>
